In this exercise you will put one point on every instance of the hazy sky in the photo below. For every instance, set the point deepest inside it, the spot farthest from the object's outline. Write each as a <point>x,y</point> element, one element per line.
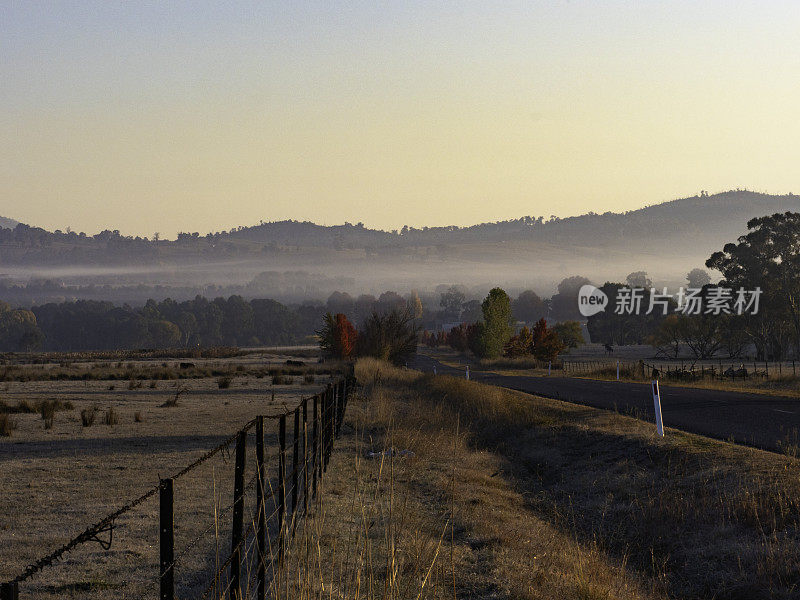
<point>197,116</point>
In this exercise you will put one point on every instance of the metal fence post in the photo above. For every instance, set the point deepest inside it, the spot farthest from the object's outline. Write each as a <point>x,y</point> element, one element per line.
<point>9,591</point>
<point>166,541</point>
<point>238,516</point>
<point>261,536</point>
<point>281,487</point>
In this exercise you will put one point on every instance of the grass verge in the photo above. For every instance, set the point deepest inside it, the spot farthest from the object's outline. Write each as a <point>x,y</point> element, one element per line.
<point>506,495</point>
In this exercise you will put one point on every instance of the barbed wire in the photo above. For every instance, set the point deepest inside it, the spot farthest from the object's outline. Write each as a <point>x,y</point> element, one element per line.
<point>106,524</point>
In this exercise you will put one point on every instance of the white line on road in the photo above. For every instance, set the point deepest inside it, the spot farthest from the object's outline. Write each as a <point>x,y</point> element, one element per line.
<point>788,412</point>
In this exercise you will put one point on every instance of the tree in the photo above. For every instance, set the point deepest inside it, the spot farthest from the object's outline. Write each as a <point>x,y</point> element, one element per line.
<point>338,337</point>
<point>697,278</point>
<point>451,302</point>
<point>639,279</point>
<point>389,336</point>
<point>471,311</point>
<point>495,330</point>
<point>767,257</point>
<point>667,338</point>
<point>546,344</point>
<point>569,332</point>
<point>457,338</point>
<point>529,307</point>
<point>519,345</point>
<point>564,304</point>
<point>415,305</point>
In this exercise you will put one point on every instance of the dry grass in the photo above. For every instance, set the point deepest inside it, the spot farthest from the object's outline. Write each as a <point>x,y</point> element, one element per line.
<point>571,501</point>
<point>88,416</point>
<point>7,424</point>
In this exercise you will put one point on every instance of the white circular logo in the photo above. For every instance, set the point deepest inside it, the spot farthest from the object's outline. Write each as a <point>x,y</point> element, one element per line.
<point>591,300</point>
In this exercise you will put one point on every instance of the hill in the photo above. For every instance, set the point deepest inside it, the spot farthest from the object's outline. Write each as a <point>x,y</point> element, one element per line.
<point>667,240</point>
<point>7,223</point>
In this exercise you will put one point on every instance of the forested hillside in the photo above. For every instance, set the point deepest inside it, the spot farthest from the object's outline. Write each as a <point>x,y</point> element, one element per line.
<point>701,220</point>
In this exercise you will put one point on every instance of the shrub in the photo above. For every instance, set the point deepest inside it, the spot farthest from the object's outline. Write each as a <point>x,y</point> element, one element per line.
<point>278,379</point>
<point>172,402</point>
<point>338,336</point>
<point>88,416</point>
<point>153,384</point>
<point>308,378</point>
<point>224,382</point>
<point>111,418</point>
<point>7,424</point>
<point>48,411</point>
<point>391,336</point>
<point>137,417</point>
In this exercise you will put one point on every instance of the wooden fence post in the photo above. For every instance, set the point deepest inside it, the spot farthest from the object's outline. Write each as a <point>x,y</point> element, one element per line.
<point>295,465</point>
<point>238,517</point>
<point>323,432</point>
<point>261,535</point>
<point>166,540</point>
<point>305,456</point>
<point>9,591</point>
<point>315,445</point>
<point>281,486</point>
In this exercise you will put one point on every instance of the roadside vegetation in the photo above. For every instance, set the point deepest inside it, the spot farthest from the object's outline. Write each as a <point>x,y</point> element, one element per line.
<point>491,493</point>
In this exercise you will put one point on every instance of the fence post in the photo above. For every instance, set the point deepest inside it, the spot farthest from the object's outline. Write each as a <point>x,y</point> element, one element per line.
<point>281,486</point>
<point>324,432</point>
<point>9,591</point>
<point>315,445</point>
<point>238,516</point>
<point>305,456</point>
<point>657,406</point>
<point>342,405</point>
<point>261,536</point>
<point>295,464</point>
<point>166,540</point>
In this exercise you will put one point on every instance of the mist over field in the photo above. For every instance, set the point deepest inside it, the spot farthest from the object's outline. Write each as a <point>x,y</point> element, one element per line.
<point>299,261</point>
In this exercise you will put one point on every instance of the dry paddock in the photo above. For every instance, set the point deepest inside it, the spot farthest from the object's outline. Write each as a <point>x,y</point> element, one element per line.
<point>56,482</point>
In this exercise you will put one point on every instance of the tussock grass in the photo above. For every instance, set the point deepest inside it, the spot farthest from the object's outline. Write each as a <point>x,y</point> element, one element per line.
<point>7,424</point>
<point>111,418</point>
<point>26,407</point>
<point>88,416</point>
<point>632,514</point>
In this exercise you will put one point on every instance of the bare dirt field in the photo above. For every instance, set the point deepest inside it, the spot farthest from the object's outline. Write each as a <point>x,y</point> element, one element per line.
<point>58,481</point>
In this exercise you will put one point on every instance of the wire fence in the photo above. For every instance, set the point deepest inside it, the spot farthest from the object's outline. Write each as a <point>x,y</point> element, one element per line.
<point>682,370</point>
<point>271,505</point>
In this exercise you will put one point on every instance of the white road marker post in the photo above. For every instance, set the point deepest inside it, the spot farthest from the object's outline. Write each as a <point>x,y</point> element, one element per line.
<point>467,374</point>
<point>657,405</point>
<point>549,365</point>
<point>617,370</point>
<point>434,369</point>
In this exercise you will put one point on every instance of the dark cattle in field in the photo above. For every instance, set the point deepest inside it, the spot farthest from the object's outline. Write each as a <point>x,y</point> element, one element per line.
<point>294,363</point>
<point>187,365</point>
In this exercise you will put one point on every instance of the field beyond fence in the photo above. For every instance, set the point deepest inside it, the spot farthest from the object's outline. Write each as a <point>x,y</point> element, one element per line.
<point>267,503</point>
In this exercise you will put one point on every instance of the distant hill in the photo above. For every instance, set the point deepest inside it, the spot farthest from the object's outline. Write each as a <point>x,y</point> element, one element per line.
<point>705,220</point>
<point>8,223</point>
<point>667,240</point>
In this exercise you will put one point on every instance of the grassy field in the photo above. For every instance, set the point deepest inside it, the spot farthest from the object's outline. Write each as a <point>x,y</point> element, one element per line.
<point>508,496</point>
<point>438,488</point>
<point>59,479</point>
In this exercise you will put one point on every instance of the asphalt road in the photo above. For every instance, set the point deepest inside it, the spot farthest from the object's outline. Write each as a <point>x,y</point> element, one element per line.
<point>753,419</point>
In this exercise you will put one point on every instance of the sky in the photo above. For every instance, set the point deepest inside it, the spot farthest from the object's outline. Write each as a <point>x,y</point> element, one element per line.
<point>202,116</point>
